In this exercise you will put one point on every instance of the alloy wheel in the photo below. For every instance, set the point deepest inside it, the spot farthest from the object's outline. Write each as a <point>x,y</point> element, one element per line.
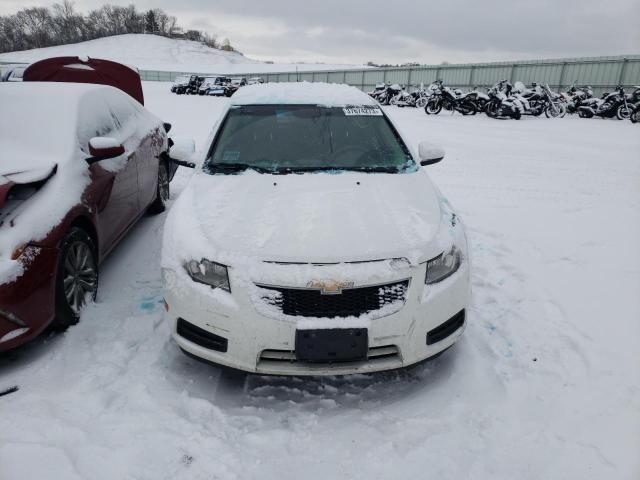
<point>80,276</point>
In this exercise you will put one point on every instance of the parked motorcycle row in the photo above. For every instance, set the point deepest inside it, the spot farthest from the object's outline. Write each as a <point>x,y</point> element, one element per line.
<point>217,86</point>
<point>504,100</point>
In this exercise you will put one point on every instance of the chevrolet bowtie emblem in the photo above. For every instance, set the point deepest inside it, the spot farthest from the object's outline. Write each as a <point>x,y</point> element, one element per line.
<point>329,287</point>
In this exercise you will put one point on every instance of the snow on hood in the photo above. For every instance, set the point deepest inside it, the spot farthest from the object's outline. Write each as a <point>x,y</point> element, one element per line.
<point>301,93</point>
<point>27,176</point>
<point>315,218</point>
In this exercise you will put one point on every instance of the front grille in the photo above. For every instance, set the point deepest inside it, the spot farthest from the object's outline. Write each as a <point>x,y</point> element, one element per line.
<point>352,302</point>
<point>201,337</point>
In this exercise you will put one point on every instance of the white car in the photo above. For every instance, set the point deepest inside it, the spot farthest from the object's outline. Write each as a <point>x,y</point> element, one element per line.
<point>311,241</point>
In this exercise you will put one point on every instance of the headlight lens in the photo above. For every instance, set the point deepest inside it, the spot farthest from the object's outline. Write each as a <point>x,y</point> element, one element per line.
<point>443,266</point>
<point>209,273</point>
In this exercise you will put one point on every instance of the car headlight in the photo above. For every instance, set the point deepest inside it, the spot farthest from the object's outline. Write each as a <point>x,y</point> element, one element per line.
<point>209,273</point>
<point>443,266</point>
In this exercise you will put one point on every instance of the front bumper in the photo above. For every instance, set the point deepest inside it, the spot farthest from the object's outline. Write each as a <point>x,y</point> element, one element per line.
<point>27,303</point>
<point>257,342</point>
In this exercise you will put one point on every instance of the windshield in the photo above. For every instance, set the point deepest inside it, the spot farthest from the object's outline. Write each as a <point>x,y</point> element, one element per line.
<point>302,138</point>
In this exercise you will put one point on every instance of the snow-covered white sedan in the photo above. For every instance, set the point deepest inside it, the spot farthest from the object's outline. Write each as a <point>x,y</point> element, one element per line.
<point>311,241</point>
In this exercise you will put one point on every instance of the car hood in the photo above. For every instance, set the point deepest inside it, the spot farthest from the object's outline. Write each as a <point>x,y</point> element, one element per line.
<point>9,179</point>
<point>312,218</point>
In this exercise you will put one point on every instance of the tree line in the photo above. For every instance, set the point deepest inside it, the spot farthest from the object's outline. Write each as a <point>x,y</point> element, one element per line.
<point>38,27</point>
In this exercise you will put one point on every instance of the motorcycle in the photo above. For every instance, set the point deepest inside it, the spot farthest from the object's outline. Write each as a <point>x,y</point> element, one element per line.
<point>635,115</point>
<point>611,104</point>
<point>575,97</point>
<point>402,98</point>
<point>378,91</point>
<point>540,99</point>
<point>389,93</point>
<point>502,103</point>
<point>635,105</point>
<point>445,98</point>
<point>480,99</point>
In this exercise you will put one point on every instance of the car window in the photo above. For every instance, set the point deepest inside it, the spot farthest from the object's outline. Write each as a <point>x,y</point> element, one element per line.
<point>107,113</point>
<point>283,138</point>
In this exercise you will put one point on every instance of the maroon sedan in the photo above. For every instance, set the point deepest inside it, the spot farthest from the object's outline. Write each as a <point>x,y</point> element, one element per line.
<point>79,164</point>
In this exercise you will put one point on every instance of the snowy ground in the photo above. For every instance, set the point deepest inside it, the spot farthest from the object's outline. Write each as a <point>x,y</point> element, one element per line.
<point>545,383</point>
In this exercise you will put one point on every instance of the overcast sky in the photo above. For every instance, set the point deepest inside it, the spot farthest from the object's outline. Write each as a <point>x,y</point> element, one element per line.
<point>384,31</point>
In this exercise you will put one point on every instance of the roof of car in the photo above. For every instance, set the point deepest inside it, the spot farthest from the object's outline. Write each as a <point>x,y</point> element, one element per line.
<point>50,111</point>
<point>59,93</point>
<point>301,93</point>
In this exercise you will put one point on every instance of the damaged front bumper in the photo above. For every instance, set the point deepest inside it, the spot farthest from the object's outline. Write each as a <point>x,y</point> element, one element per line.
<point>27,301</point>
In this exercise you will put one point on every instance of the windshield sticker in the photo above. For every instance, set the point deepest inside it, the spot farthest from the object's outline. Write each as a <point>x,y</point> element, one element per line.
<point>230,156</point>
<point>362,111</point>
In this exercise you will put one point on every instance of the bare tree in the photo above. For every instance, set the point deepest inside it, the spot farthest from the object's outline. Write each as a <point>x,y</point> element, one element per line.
<point>62,24</point>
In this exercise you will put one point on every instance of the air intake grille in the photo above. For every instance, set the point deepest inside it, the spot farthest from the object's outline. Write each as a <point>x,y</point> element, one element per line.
<point>201,337</point>
<point>289,356</point>
<point>446,329</point>
<point>352,302</point>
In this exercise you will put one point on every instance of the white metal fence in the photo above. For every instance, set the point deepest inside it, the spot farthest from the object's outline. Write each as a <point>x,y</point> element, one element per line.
<point>602,73</point>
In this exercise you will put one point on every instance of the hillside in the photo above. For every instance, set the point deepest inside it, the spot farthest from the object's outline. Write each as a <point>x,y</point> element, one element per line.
<point>152,52</point>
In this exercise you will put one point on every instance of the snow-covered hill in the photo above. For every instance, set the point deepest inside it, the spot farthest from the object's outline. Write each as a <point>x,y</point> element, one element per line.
<point>152,52</point>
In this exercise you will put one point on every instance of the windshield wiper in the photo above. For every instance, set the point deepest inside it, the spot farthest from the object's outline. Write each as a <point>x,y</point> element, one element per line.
<point>235,167</point>
<point>381,169</point>
<point>241,167</point>
<point>328,168</point>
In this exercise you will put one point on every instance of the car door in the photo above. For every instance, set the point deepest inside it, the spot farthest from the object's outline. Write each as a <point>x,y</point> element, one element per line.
<point>115,180</point>
<point>153,143</point>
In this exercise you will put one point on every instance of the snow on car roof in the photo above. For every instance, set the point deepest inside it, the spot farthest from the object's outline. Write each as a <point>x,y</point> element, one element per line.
<point>301,93</point>
<point>38,123</point>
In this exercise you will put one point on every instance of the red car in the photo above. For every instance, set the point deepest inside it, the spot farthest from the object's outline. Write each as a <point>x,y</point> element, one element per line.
<point>79,165</point>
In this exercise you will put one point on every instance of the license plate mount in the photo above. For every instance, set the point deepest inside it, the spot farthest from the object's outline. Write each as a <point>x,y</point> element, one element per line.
<point>332,345</point>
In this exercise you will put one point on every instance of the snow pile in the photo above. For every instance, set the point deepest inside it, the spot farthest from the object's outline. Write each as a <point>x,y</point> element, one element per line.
<point>302,93</point>
<point>153,52</point>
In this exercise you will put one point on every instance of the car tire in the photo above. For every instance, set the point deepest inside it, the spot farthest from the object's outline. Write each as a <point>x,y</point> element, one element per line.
<point>76,277</point>
<point>163,190</point>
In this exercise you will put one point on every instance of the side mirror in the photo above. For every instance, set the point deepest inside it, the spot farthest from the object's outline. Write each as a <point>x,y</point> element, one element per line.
<point>430,153</point>
<point>167,127</point>
<point>181,150</point>
<point>102,148</point>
